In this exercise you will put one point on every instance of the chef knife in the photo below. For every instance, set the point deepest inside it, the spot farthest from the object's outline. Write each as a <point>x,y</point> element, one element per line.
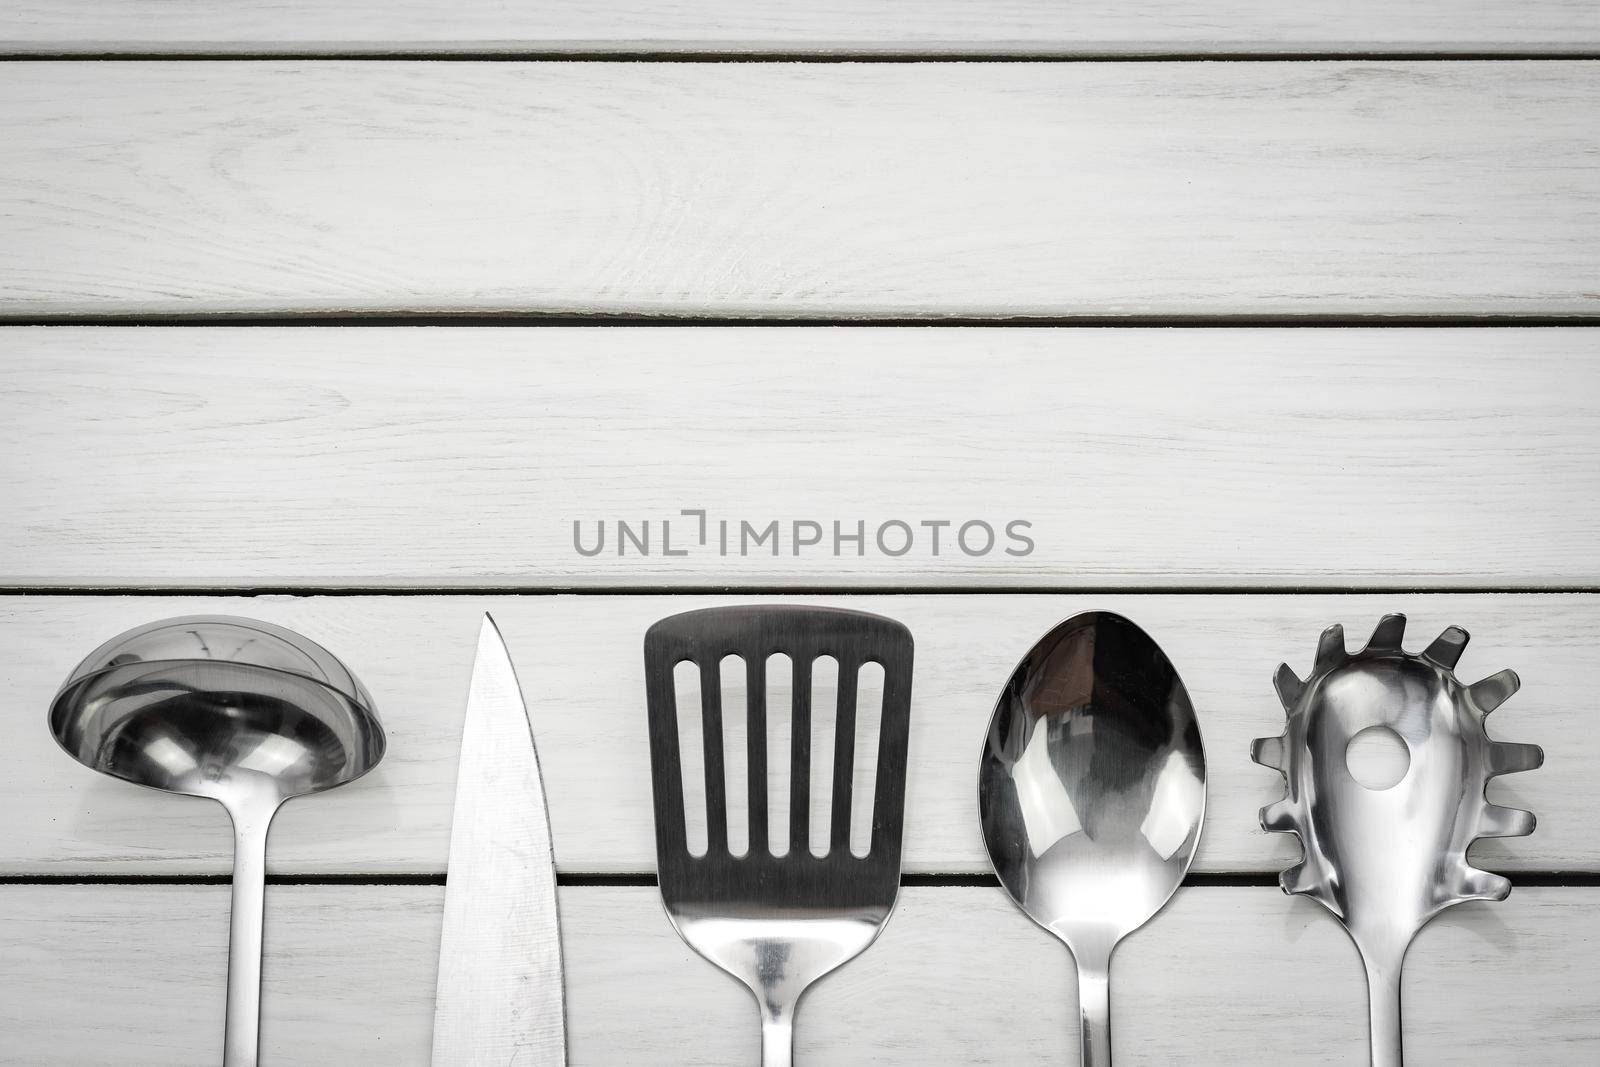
<point>499,998</point>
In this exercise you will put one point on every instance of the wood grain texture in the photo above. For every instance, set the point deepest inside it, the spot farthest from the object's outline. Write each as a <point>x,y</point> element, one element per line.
<point>1241,976</point>
<point>1019,27</point>
<point>580,661</point>
<point>830,190</point>
<point>462,457</point>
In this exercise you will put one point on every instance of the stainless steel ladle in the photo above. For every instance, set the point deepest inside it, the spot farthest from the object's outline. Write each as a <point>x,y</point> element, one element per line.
<point>246,713</point>
<point>1091,791</point>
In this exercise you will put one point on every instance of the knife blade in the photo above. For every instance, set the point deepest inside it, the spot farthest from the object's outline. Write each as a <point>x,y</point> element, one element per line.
<point>499,999</point>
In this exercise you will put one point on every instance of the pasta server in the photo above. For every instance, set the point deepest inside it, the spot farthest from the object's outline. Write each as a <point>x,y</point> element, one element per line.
<point>1385,859</point>
<point>782,912</point>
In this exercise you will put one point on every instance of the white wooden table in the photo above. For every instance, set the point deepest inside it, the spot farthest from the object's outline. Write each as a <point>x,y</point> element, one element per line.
<point>299,322</point>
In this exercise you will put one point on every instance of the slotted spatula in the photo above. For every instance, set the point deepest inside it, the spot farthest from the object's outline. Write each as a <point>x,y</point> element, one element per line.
<point>778,923</point>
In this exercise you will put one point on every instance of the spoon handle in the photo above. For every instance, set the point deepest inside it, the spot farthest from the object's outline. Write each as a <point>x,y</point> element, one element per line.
<point>1094,1002</point>
<point>242,1038</point>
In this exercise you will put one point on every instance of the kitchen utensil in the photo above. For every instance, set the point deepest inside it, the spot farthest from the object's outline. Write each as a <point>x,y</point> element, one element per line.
<point>1387,860</point>
<point>246,713</point>
<point>1091,791</point>
<point>499,996</point>
<point>778,922</point>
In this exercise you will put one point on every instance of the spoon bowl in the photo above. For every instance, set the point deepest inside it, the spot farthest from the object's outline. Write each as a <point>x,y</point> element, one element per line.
<point>242,712</point>
<point>1091,793</point>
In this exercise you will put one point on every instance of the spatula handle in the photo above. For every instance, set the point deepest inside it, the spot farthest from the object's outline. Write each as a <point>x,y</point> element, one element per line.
<point>777,1040</point>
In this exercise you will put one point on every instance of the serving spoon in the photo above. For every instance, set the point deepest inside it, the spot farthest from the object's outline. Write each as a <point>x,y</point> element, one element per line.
<point>245,713</point>
<point>1091,791</point>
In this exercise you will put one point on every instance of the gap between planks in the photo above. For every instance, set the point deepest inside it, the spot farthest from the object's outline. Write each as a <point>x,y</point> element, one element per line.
<point>731,320</point>
<point>411,55</point>
<point>1209,879</point>
<point>308,591</point>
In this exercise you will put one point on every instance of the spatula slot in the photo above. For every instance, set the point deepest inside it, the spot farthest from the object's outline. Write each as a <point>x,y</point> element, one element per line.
<point>780,720</point>
<point>736,751</point>
<point>824,718</point>
<point>691,754</point>
<point>869,719</point>
<point>800,757</point>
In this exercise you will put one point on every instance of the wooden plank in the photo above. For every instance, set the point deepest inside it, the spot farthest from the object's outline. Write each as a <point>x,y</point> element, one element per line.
<point>463,458</point>
<point>1240,976</point>
<point>581,664</point>
<point>1023,27</point>
<point>831,190</point>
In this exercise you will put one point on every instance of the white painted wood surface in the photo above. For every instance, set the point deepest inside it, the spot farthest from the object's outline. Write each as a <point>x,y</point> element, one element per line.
<point>1276,461</point>
<point>924,189</point>
<point>393,457</point>
<point>1237,976</point>
<point>1019,27</point>
<point>580,661</point>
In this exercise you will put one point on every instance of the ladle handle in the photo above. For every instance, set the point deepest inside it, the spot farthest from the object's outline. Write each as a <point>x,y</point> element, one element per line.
<point>241,1043</point>
<point>1094,1002</point>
